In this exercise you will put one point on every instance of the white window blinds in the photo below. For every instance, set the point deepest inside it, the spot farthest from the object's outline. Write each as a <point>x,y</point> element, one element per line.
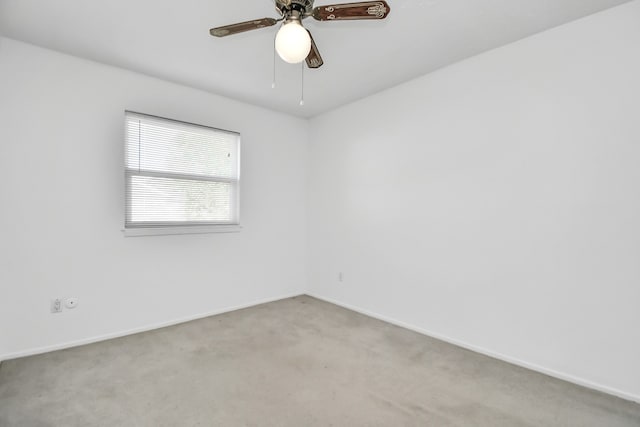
<point>179,174</point>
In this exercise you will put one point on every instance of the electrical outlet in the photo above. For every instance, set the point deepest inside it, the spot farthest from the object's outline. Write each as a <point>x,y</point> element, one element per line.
<point>56,305</point>
<point>71,302</point>
<point>340,277</point>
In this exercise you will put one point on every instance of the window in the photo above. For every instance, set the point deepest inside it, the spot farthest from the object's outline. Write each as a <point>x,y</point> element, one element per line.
<point>180,175</point>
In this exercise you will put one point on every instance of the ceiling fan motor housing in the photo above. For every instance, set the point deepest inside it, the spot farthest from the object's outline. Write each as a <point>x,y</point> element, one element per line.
<point>303,8</point>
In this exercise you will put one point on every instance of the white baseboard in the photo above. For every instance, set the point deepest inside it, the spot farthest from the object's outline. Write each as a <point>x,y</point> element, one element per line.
<point>531,366</point>
<point>76,343</point>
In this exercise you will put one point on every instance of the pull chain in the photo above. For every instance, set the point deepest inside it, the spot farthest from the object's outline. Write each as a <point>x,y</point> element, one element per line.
<point>302,84</point>
<point>273,82</point>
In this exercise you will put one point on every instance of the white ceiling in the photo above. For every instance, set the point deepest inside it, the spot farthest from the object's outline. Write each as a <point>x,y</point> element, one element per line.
<point>170,40</point>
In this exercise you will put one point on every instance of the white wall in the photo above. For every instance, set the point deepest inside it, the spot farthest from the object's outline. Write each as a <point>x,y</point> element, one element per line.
<point>496,202</point>
<point>61,164</point>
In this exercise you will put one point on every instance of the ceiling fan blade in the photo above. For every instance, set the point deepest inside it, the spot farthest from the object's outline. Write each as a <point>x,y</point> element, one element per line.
<point>314,60</point>
<point>241,27</point>
<point>346,11</point>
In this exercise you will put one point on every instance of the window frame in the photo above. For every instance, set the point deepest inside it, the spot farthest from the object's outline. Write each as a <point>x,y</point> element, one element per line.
<point>179,227</point>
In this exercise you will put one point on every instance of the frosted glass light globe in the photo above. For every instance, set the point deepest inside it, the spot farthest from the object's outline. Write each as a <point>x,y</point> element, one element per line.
<point>293,42</point>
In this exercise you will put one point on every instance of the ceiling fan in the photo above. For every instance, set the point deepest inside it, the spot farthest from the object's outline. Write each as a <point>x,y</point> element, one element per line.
<point>294,43</point>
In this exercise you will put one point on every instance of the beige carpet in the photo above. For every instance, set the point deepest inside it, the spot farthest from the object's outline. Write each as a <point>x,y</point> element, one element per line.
<point>296,362</point>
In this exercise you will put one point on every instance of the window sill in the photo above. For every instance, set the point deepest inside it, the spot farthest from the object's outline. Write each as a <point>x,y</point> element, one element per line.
<point>165,231</point>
